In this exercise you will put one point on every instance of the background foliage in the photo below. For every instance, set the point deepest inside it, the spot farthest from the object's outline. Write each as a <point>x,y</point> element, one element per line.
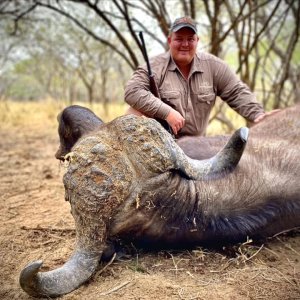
<point>85,51</point>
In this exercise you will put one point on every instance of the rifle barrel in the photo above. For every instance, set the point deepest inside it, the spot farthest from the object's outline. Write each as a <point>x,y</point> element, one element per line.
<point>144,51</point>
<point>153,86</point>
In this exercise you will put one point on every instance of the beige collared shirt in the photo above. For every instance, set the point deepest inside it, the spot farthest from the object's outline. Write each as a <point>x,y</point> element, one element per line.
<point>193,97</point>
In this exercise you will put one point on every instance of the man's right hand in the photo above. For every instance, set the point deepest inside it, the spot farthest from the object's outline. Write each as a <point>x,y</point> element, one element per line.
<point>175,120</point>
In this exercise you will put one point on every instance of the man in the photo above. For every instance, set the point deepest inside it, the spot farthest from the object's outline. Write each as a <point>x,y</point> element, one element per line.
<point>188,84</point>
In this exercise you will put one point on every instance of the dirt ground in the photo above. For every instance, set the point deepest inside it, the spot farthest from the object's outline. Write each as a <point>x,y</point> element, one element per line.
<point>36,224</point>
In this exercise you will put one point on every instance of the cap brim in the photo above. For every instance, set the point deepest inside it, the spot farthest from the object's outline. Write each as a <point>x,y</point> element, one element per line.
<point>180,26</point>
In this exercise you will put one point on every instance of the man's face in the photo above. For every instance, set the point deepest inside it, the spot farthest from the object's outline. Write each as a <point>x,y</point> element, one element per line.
<point>183,45</point>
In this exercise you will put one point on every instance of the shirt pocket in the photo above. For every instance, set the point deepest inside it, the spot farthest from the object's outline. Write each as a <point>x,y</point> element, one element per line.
<point>172,98</point>
<point>204,94</point>
<point>203,100</point>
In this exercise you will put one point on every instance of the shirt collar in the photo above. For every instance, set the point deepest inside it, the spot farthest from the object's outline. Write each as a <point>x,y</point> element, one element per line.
<point>196,64</point>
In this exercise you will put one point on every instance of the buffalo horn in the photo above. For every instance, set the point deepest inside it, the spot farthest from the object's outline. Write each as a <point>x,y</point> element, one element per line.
<point>78,269</point>
<point>222,163</point>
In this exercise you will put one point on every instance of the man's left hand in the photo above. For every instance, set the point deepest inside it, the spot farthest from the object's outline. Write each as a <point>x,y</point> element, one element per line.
<point>266,114</point>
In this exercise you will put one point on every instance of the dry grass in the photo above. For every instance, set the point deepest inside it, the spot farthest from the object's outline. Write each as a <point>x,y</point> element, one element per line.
<point>13,113</point>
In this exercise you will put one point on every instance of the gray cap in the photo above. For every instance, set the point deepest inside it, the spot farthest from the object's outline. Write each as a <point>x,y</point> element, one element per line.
<point>184,22</point>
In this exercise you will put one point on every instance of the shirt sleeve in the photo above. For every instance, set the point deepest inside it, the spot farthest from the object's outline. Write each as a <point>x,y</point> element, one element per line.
<point>236,93</point>
<point>138,95</point>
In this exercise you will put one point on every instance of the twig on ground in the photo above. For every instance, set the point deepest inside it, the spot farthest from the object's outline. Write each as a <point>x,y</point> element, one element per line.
<point>271,251</point>
<point>116,288</point>
<point>255,253</point>
<point>284,277</point>
<point>107,265</point>
<point>180,293</point>
<point>48,229</point>
<point>176,264</point>
<point>287,245</point>
<point>225,266</point>
<point>285,231</point>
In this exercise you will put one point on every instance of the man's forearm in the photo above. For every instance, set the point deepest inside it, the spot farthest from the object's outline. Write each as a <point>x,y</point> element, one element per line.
<point>139,96</point>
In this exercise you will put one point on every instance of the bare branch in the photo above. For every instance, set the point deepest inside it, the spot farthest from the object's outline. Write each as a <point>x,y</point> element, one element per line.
<point>207,10</point>
<point>257,37</point>
<point>185,8</point>
<point>192,9</point>
<point>124,42</point>
<point>286,63</point>
<point>91,33</point>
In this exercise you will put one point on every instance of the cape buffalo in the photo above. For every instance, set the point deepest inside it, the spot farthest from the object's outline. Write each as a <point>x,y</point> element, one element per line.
<point>129,180</point>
